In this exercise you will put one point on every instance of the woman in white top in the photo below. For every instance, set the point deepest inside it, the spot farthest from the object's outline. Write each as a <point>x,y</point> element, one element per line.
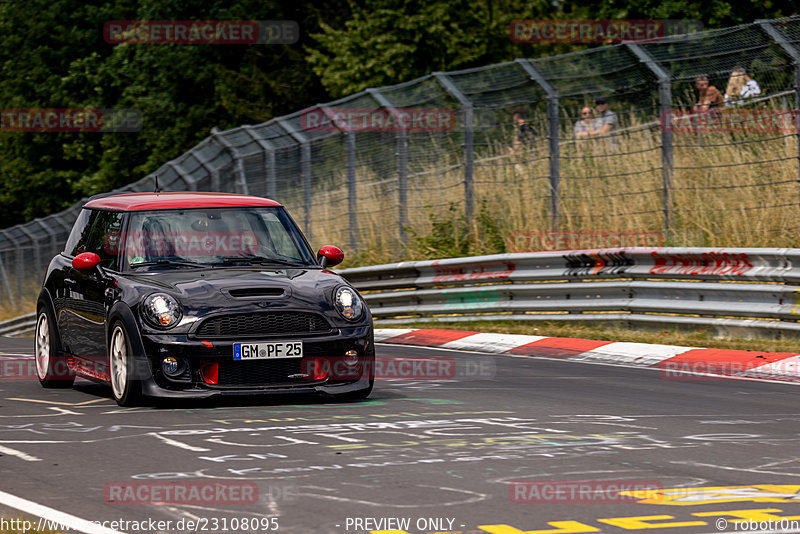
<point>740,86</point>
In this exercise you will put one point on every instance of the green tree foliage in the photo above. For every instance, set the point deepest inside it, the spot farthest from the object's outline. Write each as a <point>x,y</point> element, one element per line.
<point>53,55</point>
<point>384,42</point>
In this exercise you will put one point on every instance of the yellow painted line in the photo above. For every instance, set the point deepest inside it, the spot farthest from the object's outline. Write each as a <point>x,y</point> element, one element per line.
<point>797,302</point>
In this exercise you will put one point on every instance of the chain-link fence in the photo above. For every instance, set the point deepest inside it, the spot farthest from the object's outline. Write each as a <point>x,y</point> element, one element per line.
<point>368,188</point>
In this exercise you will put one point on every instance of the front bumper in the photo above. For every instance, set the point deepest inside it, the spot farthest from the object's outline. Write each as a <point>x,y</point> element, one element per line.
<point>201,361</point>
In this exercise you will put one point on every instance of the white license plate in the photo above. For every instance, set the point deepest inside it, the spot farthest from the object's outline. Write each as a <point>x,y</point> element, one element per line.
<point>266,351</point>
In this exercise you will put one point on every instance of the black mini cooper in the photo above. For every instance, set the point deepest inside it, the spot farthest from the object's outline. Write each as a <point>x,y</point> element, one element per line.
<point>196,295</point>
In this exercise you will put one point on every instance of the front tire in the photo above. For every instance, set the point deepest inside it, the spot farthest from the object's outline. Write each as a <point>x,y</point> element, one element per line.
<point>125,388</point>
<point>51,369</point>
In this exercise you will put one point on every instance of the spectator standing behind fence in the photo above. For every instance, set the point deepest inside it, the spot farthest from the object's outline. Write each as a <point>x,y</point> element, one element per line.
<point>524,133</point>
<point>587,125</point>
<point>607,121</point>
<point>708,96</point>
<point>740,87</point>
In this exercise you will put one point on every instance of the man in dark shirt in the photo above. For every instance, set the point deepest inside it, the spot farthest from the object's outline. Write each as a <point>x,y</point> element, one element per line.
<point>524,131</point>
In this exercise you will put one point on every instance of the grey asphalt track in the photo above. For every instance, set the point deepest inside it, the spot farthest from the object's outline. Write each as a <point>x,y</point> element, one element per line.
<point>425,453</point>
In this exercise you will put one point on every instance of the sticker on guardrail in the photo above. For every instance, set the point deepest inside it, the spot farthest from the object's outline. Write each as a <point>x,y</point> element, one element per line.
<point>715,262</point>
<point>479,271</point>
<point>597,264</point>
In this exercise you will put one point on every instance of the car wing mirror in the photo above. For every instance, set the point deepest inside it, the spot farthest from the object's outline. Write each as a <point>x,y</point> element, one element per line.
<point>329,256</point>
<point>86,262</point>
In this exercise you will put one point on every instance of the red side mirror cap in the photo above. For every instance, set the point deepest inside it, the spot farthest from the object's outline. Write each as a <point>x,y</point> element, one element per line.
<point>328,256</point>
<point>85,261</point>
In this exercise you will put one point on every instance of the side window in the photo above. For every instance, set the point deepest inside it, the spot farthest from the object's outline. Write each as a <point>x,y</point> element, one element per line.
<point>104,238</point>
<point>80,233</point>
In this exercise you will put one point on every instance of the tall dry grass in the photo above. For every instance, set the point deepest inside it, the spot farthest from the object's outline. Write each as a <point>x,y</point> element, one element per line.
<point>728,190</point>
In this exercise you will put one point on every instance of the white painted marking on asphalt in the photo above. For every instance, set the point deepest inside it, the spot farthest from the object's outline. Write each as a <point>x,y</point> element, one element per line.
<point>297,441</point>
<point>336,436</point>
<point>178,444</point>
<point>42,401</point>
<point>35,442</point>
<point>69,521</point>
<point>19,454</point>
<point>63,411</point>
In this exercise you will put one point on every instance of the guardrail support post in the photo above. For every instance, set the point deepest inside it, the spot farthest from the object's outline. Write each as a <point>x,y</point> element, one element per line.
<point>553,133</point>
<point>667,156</point>
<point>402,166</point>
<point>469,143</point>
<point>305,171</point>
<point>794,52</point>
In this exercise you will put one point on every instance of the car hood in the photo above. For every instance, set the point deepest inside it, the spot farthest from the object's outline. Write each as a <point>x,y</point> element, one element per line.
<point>243,289</point>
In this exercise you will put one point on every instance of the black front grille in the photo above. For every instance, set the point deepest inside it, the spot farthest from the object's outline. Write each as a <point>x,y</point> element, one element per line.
<point>259,372</point>
<point>263,324</point>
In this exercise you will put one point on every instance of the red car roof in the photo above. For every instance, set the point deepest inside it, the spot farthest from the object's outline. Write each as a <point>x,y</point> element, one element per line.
<point>165,201</point>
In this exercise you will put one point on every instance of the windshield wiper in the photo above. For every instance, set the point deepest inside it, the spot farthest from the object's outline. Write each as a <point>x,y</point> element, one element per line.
<point>258,259</point>
<point>168,263</point>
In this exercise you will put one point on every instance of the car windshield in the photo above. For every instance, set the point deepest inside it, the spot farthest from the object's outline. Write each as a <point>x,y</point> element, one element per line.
<point>214,236</point>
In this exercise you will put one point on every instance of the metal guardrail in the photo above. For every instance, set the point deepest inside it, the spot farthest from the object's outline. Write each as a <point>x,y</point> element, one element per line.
<point>753,289</point>
<point>18,326</point>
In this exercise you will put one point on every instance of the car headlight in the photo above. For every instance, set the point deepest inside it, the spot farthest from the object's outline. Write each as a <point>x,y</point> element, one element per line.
<point>161,310</point>
<point>348,303</point>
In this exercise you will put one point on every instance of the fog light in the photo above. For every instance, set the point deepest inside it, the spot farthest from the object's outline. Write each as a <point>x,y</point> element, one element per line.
<point>351,357</point>
<point>169,365</point>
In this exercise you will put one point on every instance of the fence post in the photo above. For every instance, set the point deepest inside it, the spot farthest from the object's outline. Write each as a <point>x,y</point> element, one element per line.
<point>4,276</point>
<point>269,162</point>
<point>794,52</point>
<point>20,261</point>
<point>240,184</point>
<point>352,200</point>
<point>402,165</point>
<point>37,254</point>
<point>553,133</point>
<point>185,176</point>
<point>53,237</point>
<point>469,143</point>
<point>305,170</point>
<point>212,173</point>
<point>665,105</point>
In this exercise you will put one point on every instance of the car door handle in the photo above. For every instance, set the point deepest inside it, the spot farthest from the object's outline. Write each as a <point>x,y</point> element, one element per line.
<point>70,282</point>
